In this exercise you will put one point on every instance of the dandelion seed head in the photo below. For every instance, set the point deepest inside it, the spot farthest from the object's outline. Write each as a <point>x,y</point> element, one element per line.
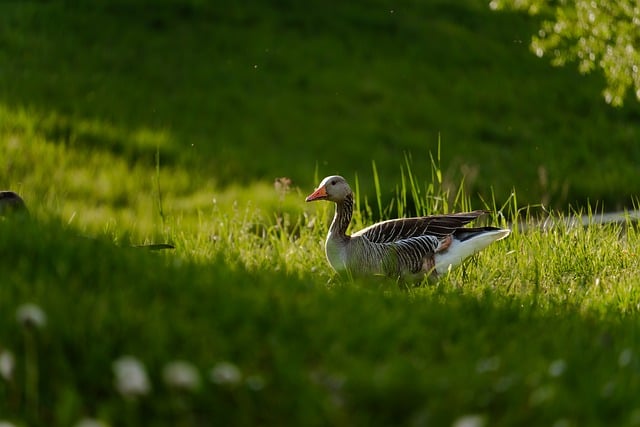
<point>91,422</point>
<point>625,357</point>
<point>31,316</point>
<point>7,365</point>
<point>471,420</point>
<point>131,377</point>
<point>557,367</point>
<point>226,373</point>
<point>181,375</point>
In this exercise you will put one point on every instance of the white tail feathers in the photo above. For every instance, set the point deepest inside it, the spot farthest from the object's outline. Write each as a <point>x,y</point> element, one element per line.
<point>461,250</point>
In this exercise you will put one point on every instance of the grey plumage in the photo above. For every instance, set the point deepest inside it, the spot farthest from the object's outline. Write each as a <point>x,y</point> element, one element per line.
<point>406,247</point>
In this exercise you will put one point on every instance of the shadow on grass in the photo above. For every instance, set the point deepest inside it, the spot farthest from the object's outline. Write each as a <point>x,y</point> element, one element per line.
<point>308,85</point>
<point>345,355</point>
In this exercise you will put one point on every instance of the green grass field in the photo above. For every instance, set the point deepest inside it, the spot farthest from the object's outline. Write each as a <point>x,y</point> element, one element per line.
<point>131,122</point>
<point>541,328</point>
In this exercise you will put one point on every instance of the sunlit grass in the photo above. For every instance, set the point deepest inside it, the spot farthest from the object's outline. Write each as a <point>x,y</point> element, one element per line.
<point>248,303</point>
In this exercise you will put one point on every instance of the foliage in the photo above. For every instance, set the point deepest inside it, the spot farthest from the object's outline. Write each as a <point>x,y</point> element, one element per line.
<point>596,34</point>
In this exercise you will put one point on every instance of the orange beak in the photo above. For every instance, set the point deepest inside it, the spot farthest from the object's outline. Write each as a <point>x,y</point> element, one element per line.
<point>319,194</point>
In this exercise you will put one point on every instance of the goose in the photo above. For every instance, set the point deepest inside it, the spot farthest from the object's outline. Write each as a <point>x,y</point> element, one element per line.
<point>405,248</point>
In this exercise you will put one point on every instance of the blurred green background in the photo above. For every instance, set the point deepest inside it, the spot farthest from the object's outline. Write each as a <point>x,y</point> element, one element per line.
<point>238,93</point>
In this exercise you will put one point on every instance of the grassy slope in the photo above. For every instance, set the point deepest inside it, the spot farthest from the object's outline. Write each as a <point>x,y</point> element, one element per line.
<point>540,328</point>
<point>314,86</point>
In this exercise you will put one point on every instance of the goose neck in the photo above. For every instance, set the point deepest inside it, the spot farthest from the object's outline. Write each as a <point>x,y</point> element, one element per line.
<point>342,218</point>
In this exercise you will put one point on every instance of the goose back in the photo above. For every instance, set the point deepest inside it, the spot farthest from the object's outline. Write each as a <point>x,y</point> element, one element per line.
<point>407,228</point>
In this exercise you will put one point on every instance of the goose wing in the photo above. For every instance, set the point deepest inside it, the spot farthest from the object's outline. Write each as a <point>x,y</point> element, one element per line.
<point>414,256</point>
<point>407,228</point>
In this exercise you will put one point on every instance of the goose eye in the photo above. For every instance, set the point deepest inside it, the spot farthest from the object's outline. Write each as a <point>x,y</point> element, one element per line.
<point>333,182</point>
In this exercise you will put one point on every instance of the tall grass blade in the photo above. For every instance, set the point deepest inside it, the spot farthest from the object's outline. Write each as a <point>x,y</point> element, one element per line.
<point>415,188</point>
<point>376,183</point>
<point>158,190</point>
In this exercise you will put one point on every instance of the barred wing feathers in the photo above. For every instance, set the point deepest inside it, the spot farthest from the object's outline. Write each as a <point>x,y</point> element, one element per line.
<point>408,228</point>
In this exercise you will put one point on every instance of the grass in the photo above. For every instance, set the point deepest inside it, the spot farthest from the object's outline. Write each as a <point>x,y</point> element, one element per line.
<point>159,127</point>
<point>309,87</point>
<point>540,328</point>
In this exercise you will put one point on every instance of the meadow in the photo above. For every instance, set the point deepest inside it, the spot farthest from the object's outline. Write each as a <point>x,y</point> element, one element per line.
<point>541,328</point>
<point>123,124</point>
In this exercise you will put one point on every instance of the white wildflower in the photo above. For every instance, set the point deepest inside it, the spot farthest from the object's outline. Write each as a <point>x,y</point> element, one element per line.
<point>131,377</point>
<point>471,420</point>
<point>91,422</point>
<point>7,365</point>
<point>31,315</point>
<point>625,357</point>
<point>226,373</point>
<point>181,375</point>
<point>557,367</point>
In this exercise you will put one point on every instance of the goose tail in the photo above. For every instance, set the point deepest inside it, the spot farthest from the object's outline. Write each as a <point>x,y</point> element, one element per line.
<point>465,243</point>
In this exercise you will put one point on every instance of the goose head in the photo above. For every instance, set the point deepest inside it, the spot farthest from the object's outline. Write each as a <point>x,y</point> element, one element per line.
<point>333,188</point>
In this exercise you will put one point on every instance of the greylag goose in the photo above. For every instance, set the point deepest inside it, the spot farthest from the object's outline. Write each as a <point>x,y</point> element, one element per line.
<point>406,248</point>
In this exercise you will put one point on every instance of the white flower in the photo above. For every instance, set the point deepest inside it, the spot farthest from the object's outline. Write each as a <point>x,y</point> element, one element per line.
<point>471,420</point>
<point>131,377</point>
<point>181,375</point>
<point>557,367</point>
<point>7,365</point>
<point>226,373</point>
<point>625,357</point>
<point>91,422</point>
<point>31,315</point>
